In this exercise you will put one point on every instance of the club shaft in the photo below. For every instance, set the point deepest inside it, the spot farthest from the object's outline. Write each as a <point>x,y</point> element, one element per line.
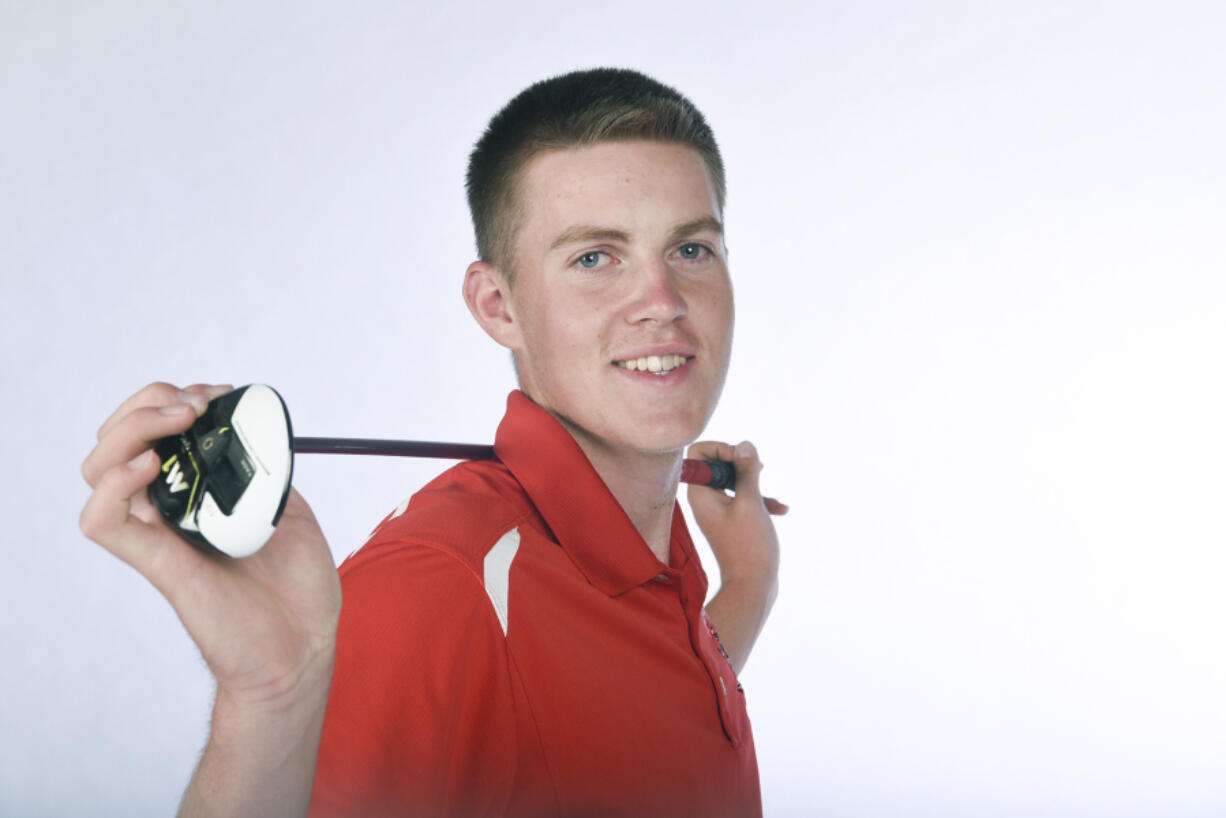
<point>715,473</point>
<point>402,448</point>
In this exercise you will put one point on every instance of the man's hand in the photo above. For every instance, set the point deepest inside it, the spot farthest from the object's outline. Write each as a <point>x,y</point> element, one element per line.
<point>265,624</point>
<point>743,539</point>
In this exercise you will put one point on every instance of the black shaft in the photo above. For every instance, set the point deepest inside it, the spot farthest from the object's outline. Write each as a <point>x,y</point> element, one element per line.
<point>404,448</point>
<point>722,474</point>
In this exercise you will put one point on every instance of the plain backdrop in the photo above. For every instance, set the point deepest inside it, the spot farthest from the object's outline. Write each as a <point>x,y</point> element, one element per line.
<point>978,250</point>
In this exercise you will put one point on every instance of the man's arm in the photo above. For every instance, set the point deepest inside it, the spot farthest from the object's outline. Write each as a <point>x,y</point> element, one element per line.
<point>738,612</point>
<point>260,758</point>
<point>743,539</point>
<point>264,624</point>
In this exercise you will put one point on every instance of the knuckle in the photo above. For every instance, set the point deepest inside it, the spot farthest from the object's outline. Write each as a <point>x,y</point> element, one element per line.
<point>158,393</point>
<point>89,523</point>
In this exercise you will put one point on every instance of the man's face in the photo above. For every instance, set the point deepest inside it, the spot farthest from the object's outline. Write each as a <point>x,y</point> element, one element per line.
<point>621,295</point>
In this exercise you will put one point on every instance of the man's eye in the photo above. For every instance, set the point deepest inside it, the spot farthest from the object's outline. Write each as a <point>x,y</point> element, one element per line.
<point>590,260</point>
<point>691,251</point>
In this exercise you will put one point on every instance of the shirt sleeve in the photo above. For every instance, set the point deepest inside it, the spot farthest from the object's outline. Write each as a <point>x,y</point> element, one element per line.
<point>420,717</point>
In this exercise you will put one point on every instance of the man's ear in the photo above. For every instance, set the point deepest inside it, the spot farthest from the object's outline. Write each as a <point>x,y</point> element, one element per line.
<point>488,296</point>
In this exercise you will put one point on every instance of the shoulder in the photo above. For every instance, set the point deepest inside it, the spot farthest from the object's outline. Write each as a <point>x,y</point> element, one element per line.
<point>420,585</point>
<point>450,525</point>
<point>422,660</point>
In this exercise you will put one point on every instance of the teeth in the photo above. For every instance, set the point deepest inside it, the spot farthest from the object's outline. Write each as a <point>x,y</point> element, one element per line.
<point>656,364</point>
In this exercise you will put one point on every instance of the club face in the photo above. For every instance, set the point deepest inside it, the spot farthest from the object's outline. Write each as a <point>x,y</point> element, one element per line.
<point>225,481</point>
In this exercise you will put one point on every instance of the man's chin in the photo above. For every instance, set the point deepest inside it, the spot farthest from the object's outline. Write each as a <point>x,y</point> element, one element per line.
<point>669,440</point>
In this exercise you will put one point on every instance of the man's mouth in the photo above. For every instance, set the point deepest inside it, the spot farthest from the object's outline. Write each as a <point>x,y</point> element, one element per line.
<point>655,364</point>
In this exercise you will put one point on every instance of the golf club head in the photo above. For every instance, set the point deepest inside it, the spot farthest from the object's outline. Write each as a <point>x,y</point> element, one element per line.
<point>224,482</point>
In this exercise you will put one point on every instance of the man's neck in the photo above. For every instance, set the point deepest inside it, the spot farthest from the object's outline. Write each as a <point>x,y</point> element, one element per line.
<point>644,485</point>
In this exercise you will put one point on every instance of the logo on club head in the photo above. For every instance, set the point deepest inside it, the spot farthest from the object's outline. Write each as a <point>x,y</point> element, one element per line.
<point>174,478</point>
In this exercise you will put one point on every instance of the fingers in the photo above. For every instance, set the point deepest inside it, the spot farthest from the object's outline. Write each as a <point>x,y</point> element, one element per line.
<point>155,412</point>
<point>748,469</point>
<point>711,450</point>
<point>117,514</point>
<point>775,507</point>
<point>744,457</point>
<point>106,519</point>
<point>135,433</point>
<point>155,394</point>
<point>160,394</point>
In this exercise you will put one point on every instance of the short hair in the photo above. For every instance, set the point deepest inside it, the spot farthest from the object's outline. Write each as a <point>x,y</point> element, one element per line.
<point>567,111</point>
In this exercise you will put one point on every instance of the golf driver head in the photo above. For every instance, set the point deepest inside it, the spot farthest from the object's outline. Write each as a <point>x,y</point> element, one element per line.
<point>224,482</point>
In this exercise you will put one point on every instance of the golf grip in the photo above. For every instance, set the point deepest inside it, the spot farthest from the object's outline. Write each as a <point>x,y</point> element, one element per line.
<point>718,474</point>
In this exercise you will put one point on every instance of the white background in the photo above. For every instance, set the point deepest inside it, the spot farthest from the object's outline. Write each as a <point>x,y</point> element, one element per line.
<point>978,251</point>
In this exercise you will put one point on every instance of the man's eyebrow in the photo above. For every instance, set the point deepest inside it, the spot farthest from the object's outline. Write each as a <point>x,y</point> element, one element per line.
<point>582,233</point>
<point>704,224</point>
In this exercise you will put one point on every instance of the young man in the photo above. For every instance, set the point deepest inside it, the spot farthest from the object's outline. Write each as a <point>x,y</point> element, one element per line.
<point>527,636</point>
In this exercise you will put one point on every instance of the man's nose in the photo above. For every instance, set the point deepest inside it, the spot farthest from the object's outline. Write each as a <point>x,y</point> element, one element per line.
<point>657,296</point>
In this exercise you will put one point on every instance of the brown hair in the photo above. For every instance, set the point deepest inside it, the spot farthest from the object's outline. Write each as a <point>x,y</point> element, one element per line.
<point>572,110</point>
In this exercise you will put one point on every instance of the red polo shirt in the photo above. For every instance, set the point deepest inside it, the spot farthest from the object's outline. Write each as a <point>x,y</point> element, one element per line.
<point>509,645</point>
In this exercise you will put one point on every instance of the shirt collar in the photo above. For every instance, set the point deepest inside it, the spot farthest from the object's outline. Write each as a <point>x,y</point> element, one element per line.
<point>574,501</point>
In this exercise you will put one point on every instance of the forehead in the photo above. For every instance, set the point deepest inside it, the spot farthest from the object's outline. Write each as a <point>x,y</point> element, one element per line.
<point>634,186</point>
